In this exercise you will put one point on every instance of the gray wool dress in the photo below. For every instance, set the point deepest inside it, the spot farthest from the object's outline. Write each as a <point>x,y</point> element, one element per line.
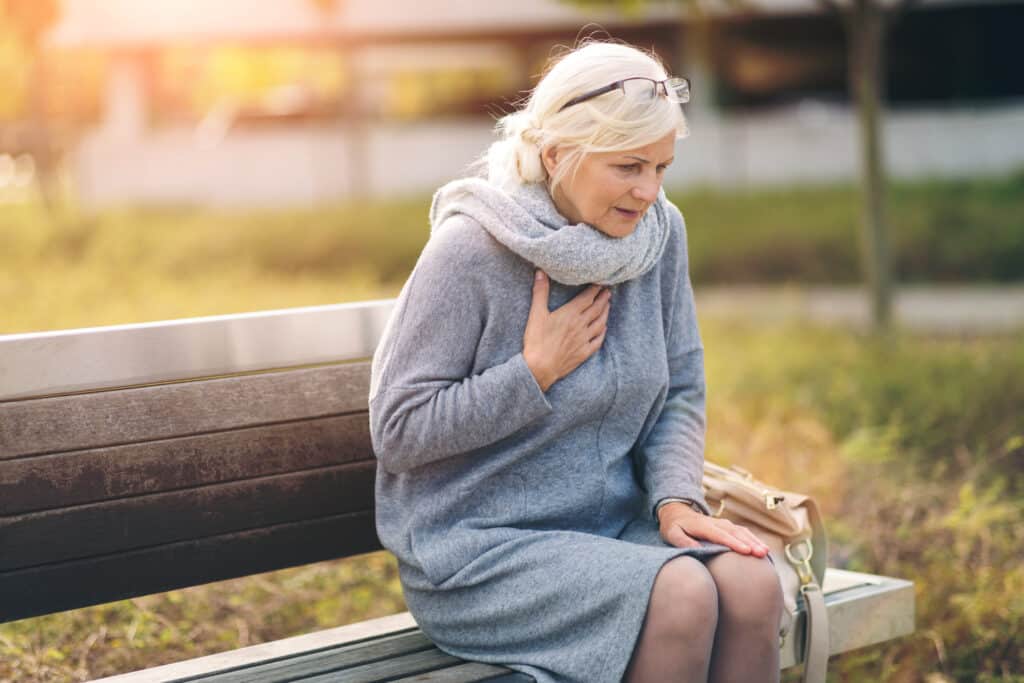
<point>523,520</point>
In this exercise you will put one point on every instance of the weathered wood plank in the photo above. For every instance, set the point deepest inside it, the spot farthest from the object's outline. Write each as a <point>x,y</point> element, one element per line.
<point>469,672</point>
<point>69,585</point>
<point>112,418</point>
<point>387,669</point>
<point>65,479</point>
<point>220,662</point>
<point>145,521</point>
<point>329,659</point>
<point>40,364</point>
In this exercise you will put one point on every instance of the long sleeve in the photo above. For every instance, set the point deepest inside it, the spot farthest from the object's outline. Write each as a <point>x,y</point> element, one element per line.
<point>427,402</point>
<point>673,452</point>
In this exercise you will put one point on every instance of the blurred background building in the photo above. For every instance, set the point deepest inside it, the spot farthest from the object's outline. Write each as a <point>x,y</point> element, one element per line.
<point>287,102</point>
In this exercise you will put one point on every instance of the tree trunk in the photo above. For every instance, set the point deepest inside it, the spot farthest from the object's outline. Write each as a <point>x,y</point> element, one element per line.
<point>866,35</point>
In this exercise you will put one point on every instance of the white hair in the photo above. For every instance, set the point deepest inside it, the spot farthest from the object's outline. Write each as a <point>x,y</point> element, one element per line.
<point>601,124</point>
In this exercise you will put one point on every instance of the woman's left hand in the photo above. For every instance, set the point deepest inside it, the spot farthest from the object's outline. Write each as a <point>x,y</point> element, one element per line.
<point>684,527</point>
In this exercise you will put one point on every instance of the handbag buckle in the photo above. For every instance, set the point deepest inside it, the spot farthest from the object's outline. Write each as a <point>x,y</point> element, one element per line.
<point>801,561</point>
<point>772,500</point>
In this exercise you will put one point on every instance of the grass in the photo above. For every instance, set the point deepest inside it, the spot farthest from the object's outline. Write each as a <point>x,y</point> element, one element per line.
<point>941,231</point>
<point>914,446</point>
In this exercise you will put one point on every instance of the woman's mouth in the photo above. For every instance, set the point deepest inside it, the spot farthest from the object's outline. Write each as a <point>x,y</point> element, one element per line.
<point>626,213</point>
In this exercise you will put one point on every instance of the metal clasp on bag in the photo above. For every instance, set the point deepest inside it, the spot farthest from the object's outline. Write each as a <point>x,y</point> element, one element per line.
<point>801,561</point>
<point>772,499</point>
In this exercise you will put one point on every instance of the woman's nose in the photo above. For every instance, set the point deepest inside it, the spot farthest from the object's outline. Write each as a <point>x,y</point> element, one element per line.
<point>647,189</point>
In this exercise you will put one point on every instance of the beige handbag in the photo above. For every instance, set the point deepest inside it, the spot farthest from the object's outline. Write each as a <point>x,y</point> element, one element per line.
<point>790,525</point>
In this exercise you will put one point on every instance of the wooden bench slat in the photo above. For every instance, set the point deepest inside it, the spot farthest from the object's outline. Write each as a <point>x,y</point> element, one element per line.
<point>111,418</point>
<point>157,519</point>
<point>387,669</point>
<point>330,659</point>
<point>65,479</point>
<point>50,363</point>
<point>68,585</point>
<point>470,672</point>
<point>199,668</point>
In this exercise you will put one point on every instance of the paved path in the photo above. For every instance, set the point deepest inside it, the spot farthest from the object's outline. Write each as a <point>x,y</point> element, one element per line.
<point>940,309</point>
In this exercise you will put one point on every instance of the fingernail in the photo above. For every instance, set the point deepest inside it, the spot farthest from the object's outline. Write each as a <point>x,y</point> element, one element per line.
<point>539,276</point>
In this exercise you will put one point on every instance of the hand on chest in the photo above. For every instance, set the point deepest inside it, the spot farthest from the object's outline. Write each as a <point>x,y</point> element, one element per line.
<point>630,365</point>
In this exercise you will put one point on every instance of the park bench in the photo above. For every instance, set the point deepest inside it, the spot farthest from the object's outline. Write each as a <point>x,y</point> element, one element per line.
<point>137,459</point>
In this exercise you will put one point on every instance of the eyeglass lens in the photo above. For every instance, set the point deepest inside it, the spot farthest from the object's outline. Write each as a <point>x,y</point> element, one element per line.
<point>675,89</point>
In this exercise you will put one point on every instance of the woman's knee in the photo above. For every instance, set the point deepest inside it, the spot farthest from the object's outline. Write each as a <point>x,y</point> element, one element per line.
<point>748,588</point>
<point>685,596</point>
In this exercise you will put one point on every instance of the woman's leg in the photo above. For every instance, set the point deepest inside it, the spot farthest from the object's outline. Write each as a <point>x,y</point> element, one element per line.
<point>749,610</point>
<point>675,641</point>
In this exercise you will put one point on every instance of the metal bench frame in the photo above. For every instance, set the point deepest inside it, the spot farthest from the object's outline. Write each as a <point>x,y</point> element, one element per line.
<point>141,458</point>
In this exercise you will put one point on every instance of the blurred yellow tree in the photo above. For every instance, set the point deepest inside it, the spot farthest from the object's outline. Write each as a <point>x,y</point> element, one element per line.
<point>29,21</point>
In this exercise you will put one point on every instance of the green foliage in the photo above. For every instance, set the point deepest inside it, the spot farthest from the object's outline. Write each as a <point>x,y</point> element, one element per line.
<point>924,481</point>
<point>942,231</point>
<point>901,397</point>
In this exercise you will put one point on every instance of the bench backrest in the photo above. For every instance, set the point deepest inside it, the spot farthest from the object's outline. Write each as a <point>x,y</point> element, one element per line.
<point>166,468</point>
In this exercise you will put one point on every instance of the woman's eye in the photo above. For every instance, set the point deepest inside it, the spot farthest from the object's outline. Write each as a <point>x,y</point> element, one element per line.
<point>629,167</point>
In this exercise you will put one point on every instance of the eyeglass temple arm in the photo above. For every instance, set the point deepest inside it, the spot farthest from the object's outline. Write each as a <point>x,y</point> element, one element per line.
<point>592,94</point>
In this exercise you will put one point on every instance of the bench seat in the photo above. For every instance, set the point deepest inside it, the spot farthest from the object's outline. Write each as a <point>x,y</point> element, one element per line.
<point>137,459</point>
<point>863,609</point>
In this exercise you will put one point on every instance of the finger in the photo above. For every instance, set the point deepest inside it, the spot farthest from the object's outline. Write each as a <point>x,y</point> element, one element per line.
<point>760,547</point>
<point>594,344</point>
<point>599,322</point>
<point>601,304</point>
<point>679,538</point>
<point>541,290</point>
<point>741,544</point>
<point>585,298</point>
<point>748,535</point>
<point>726,537</point>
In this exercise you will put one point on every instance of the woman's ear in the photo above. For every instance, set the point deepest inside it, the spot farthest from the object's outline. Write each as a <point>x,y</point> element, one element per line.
<point>549,157</point>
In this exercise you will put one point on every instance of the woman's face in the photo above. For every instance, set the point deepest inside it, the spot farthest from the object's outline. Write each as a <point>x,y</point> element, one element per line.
<point>611,190</point>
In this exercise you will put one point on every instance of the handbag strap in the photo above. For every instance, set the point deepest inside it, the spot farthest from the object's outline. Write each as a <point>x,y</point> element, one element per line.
<point>816,638</point>
<point>816,633</point>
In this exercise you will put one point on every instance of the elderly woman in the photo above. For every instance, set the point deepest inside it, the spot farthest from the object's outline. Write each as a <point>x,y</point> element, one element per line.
<point>537,406</point>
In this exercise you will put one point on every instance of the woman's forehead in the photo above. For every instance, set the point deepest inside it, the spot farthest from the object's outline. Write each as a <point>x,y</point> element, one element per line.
<point>658,151</point>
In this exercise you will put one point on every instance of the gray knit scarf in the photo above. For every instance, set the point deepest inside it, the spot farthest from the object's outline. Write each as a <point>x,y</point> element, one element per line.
<point>527,222</point>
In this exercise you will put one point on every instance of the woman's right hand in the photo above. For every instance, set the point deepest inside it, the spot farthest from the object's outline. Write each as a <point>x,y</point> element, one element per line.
<point>557,342</point>
<point>682,526</point>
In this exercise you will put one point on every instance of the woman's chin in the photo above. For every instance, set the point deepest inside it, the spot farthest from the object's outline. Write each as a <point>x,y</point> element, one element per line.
<point>617,228</point>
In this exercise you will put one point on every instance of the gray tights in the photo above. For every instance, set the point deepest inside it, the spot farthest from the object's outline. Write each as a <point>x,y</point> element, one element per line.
<point>711,621</point>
